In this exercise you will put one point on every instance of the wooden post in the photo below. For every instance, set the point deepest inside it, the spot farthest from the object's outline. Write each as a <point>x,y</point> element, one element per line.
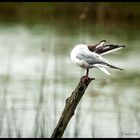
<point>70,106</point>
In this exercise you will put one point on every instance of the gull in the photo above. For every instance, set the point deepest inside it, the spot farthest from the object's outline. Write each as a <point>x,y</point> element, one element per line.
<point>90,56</point>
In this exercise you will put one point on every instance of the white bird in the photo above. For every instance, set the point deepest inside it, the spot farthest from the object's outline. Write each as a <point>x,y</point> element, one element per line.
<point>90,56</point>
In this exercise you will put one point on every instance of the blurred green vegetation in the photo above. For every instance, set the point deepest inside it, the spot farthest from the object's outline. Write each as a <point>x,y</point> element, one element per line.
<point>97,12</point>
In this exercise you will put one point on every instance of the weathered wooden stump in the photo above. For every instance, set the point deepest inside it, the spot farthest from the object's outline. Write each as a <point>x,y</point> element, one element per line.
<point>70,106</point>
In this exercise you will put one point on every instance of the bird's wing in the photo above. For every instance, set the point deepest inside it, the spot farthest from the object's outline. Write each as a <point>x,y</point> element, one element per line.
<point>101,43</point>
<point>105,49</point>
<point>91,57</point>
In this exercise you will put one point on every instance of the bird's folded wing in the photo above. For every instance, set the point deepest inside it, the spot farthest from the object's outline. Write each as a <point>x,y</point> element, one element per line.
<point>91,57</point>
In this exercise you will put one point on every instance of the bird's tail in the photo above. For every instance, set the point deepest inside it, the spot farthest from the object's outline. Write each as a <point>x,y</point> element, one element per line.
<point>103,65</point>
<point>102,68</point>
<point>114,67</point>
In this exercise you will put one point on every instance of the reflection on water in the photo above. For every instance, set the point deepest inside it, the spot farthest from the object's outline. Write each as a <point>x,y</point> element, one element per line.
<point>37,75</point>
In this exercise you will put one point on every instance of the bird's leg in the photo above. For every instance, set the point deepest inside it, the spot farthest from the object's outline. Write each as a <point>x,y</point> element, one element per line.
<point>86,74</point>
<point>87,71</point>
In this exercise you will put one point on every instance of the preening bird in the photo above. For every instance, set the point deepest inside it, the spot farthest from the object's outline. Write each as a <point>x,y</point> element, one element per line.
<point>90,56</point>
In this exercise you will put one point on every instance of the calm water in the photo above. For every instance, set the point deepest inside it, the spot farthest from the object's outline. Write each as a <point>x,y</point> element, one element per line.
<point>37,75</point>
